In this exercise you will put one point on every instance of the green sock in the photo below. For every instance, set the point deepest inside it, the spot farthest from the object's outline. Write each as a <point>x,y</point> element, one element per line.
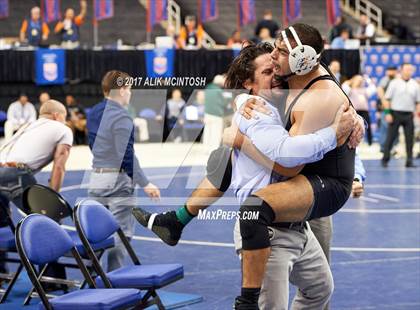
<point>183,215</point>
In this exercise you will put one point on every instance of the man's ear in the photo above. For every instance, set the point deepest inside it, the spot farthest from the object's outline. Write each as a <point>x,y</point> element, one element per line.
<point>248,84</point>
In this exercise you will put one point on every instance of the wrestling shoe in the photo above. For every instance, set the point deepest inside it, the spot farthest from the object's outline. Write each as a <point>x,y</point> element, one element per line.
<point>243,304</point>
<point>165,225</point>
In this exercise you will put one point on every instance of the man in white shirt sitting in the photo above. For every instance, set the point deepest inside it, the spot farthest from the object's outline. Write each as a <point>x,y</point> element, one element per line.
<point>20,112</point>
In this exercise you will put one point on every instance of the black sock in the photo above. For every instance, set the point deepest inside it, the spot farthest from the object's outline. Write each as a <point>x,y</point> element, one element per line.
<point>251,294</point>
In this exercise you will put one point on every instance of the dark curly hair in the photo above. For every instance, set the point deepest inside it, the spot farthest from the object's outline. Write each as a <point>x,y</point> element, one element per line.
<point>243,67</point>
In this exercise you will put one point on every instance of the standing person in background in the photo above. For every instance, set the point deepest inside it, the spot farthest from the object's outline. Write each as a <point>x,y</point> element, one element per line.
<point>366,31</point>
<point>359,97</point>
<point>33,29</point>
<point>402,99</point>
<point>340,41</point>
<point>69,27</point>
<point>20,113</point>
<point>190,35</point>
<point>267,22</point>
<point>390,74</point>
<point>214,109</point>
<point>116,169</point>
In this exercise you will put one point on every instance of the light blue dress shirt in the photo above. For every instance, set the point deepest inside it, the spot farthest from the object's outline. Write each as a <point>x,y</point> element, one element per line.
<point>270,137</point>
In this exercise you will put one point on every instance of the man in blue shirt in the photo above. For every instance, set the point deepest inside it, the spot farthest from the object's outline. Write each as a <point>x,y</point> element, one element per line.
<point>116,169</point>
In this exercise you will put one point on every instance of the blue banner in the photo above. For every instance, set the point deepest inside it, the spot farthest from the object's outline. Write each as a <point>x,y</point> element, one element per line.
<point>50,66</point>
<point>4,8</point>
<point>160,62</point>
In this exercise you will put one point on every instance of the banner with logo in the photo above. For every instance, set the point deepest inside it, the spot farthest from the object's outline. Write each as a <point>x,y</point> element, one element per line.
<point>4,8</point>
<point>50,66</point>
<point>160,62</point>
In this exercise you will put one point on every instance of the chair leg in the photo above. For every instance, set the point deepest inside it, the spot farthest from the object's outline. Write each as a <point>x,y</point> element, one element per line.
<point>157,300</point>
<point>31,291</point>
<point>11,283</point>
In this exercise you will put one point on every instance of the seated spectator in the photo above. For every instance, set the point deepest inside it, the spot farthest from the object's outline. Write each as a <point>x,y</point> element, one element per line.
<point>192,117</point>
<point>335,68</point>
<point>69,27</point>
<point>366,31</point>
<point>174,108</point>
<point>235,40</point>
<point>340,42</point>
<point>339,25</point>
<point>264,36</point>
<point>43,97</point>
<point>359,96</point>
<point>76,120</point>
<point>190,35</point>
<point>267,22</point>
<point>140,125</point>
<point>33,30</point>
<point>20,114</point>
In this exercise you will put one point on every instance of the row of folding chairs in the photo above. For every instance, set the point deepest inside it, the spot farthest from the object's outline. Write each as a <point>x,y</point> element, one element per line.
<point>40,240</point>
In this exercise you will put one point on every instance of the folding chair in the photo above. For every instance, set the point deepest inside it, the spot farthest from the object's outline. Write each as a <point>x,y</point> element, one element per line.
<point>95,223</point>
<point>8,246</point>
<point>40,199</point>
<point>36,247</point>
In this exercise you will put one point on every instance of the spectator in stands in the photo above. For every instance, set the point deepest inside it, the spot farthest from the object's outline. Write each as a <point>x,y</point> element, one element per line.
<point>359,97</point>
<point>366,31</point>
<point>193,115</point>
<point>402,99</point>
<point>339,25</point>
<point>267,22</point>
<point>340,41</point>
<point>33,29</point>
<point>264,36</point>
<point>140,124</point>
<point>174,108</point>
<point>171,32</point>
<point>214,107</point>
<point>335,68</point>
<point>390,74</point>
<point>43,97</point>
<point>20,113</point>
<point>190,35</point>
<point>235,40</point>
<point>68,28</point>
<point>76,120</point>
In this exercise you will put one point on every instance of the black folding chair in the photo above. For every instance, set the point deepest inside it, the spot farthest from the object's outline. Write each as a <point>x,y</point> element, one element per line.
<point>40,199</point>
<point>8,247</point>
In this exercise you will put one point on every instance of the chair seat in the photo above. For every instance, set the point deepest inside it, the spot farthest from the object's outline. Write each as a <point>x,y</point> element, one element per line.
<point>96,299</point>
<point>7,239</point>
<point>143,276</point>
<point>107,243</point>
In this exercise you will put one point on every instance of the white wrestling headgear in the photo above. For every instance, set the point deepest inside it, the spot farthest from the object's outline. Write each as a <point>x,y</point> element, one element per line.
<point>302,58</point>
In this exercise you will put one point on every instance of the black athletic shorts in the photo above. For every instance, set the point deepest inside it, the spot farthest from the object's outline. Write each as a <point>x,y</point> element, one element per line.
<point>330,194</point>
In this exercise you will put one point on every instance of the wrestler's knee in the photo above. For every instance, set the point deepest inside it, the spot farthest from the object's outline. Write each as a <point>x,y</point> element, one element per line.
<point>219,168</point>
<point>255,216</point>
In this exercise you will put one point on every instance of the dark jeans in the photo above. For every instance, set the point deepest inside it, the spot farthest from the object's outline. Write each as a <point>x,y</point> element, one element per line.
<point>366,117</point>
<point>404,119</point>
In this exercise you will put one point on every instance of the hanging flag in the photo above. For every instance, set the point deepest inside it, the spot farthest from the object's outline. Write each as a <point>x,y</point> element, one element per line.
<point>209,10</point>
<point>333,11</point>
<point>103,9</point>
<point>292,11</point>
<point>157,11</point>
<point>246,12</point>
<point>4,8</point>
<point>51,11</point>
